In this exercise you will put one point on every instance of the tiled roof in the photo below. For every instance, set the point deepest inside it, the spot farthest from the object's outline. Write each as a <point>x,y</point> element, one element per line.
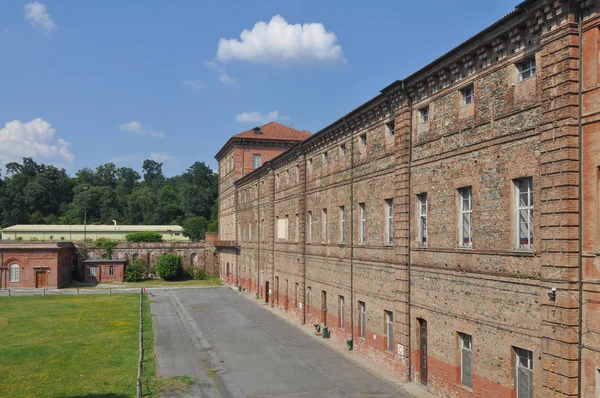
<point>275,131</point>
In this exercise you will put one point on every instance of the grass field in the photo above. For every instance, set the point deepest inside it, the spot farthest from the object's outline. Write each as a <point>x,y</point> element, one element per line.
<point>209,281</point>
<point>73,346</point>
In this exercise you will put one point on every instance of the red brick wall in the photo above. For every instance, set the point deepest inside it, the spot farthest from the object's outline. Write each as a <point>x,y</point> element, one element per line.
<point>56,263</point>
<point>103,273</point>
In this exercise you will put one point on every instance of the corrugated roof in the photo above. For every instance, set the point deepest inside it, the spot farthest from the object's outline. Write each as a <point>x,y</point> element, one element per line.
<point>91,228</point>
<point>275,131</point>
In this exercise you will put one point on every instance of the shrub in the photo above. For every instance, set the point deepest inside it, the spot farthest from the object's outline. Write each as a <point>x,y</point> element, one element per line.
<point>170,266</point>
<point>195,228</point>
<point>135,271</point>
<point>144,236</point>
<point>107,244</point>
<point>200,274</point>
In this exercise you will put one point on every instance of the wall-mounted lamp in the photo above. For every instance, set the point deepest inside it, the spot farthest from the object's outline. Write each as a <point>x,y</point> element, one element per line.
<point>552,294</point>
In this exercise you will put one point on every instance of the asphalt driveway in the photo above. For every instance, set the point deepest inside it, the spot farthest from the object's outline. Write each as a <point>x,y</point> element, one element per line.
<point>233,347</point>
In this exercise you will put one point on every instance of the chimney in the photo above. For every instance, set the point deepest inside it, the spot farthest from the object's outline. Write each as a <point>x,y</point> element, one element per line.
<point>256,130</point>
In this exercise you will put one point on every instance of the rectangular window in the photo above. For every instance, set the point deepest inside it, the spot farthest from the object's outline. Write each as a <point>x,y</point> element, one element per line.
<point>92,271</point>
<point>524,374</point>
<point>466,360</point>
<point>466,237</point>
<point>363,221</point>
<point>342,224</point>
<point>362,319</point>
<point>524,216</point>
<point>389,330</point>
<point>363,140</point>
<point>325,157</point>
<point>389,221</point>
<point>256,161</point>
<point>309,299</point>
<point>424,114</point>
<point>296,295</point>
<point>324,226</point>
<point>422,207</point>
<point>309,229</point>
<point>14,273</point>
<point>390,128</point>
<point>342,150</point>
<point>297,226</point>
<point>287,227</point>
<point>278,228</point>
<point>468,95</point>
<point>111,271</point>
<point>526,69</point>
<point>310,164</point>
<point>341,311</point>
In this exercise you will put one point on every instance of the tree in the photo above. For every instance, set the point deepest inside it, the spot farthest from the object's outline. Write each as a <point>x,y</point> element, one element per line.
<point>135,271</point>
<point>107,244</point>
<point>144,236</point>
<point>195,228</point>
<point>153,174</point>
<point>170,266</point>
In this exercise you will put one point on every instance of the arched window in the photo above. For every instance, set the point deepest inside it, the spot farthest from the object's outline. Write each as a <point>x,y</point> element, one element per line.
<point>14,273</point>
<point>194,259</point>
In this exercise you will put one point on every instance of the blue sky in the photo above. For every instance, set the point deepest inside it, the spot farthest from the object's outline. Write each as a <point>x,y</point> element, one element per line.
<point>85,82</point>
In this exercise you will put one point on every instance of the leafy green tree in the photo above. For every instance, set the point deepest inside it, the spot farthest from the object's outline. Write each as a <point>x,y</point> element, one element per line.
<point>106,244</point>
<point>195,228</point>
<point>153,174</point>
<point>144,236</point>
<point>135,271</point>
<point>170,266</point>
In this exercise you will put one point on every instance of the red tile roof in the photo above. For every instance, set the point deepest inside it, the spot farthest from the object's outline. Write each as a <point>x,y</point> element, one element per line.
<point>275,131</point>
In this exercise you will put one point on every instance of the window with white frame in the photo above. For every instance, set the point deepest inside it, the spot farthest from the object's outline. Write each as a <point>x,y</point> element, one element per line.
<point>465,221</point>
<point>363,140</point>
<point>256,160</point>
<point>341,311</point>
<point>14,273</point>
<point>466,359</point>
<point>362,311</point>
<point>524,216</point>
<point>309,229</point>
<point>324,226</point>
<point>524,370</point>
<point>92,270</point>
<point>468,95</point>
<point>389,330</point>
<point>422,208</point>
<point>390,128</point>
<point>362,217</point>
<point>389,222</point>
<point>342,224</point>
<point>526,69</point>
<point>111,271</point>
<point>424,114</point>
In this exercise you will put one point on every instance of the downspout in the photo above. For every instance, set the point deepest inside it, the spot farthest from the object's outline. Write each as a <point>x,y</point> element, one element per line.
<point>304,240</point>
<point>258,230</point>
<point>272,198</point>
<point>580,190</point>
<point>409,102</point>
<point>351,346</point>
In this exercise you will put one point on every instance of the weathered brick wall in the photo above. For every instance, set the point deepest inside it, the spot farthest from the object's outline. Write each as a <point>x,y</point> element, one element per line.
<point>199,254</point>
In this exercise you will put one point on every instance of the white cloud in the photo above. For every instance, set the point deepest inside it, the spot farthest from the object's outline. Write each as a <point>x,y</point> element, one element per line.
<point>280,42</point>
<point>38,16</point>
<point>223,77</point>
<point>34,139</point>
<point>137,128</point>
<point>194,84</point>
<point>259,118</point>
<point>161,157</point>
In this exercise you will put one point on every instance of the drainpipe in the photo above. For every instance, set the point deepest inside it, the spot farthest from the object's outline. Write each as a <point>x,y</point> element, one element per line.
<point>351,235</point>
<point>304,240</point>
<point>271,285</point>
<point>580,189</point>
<point>409,102</point>
<point>258,234</point>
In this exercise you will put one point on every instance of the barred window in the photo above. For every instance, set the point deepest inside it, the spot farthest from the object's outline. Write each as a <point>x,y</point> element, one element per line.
<point>14,273</point>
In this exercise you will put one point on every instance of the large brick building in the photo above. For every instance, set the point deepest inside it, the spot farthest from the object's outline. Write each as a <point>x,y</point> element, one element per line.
<point>449,226</point>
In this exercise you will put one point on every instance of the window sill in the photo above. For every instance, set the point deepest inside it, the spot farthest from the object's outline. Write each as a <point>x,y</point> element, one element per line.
<point>523,252</point>
<point>468,248</point>
<point>465,387</point>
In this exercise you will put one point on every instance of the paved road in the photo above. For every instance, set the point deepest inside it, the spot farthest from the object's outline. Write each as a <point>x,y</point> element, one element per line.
<point>235,348</point>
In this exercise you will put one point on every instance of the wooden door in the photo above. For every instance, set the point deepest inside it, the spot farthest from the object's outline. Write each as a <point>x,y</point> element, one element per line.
<point>423,346</point>
<point>323,307</point>
<point>41,279</point>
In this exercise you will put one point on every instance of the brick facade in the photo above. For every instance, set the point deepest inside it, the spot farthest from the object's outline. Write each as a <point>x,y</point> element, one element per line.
<point>468,132</point>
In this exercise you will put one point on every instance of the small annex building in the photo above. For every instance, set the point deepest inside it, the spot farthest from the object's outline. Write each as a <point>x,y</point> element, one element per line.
<point>36,265</point>
<point>37,232</point>
<point>104,270</point>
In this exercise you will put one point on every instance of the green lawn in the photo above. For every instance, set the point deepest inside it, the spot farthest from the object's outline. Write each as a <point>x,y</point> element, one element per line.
<point>209,281</point>
<point>73,346</point>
